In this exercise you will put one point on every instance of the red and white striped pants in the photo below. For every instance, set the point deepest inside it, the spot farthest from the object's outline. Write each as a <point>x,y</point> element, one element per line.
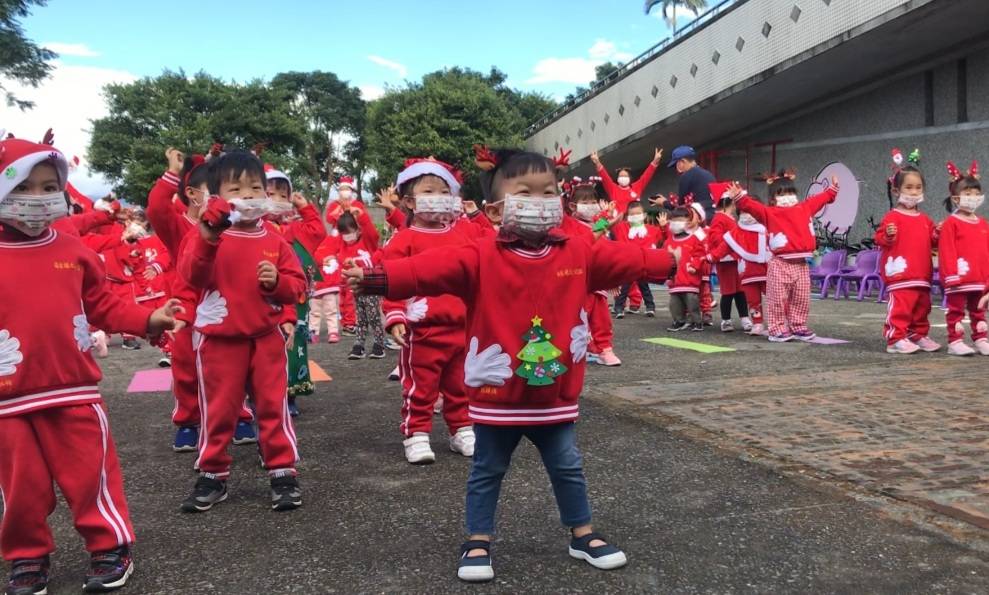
<point>958,302</point>
<point>753,296</point>
<point>907,314</point>
<point>788,291</point>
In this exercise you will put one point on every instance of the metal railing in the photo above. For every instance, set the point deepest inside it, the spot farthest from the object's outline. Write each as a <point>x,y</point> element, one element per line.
<point>598,86</point>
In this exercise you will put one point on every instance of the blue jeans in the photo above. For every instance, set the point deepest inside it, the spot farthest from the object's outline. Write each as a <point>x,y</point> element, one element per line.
<point>557,445</point>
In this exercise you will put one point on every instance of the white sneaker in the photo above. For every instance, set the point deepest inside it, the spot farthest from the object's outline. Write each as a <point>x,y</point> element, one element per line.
<point>927,344</point>
<point>417,449</point>
<point>747,324</point>
<point>960,348</point>
<point>438,406</point>
<point>982,346</point>
<point>463,441</point>
<point>757,329</point>
<point>394,375</point>
<point>727,326</point>
<point>100,348</point>
<point>903,347</point>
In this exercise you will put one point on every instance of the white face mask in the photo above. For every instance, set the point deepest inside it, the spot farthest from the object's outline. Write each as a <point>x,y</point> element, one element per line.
<point>971,203</point>
<point>249,209</point>
<point>135,231</point>
<point>531,217</point>
<point>438,208</point>
<point>678,227</point>
<point>746,219</point>
<point>624,181</point>
<point>910,201</point>
<point>350,238</point>
<point>636,220</point>
<point>31,214</point>
<point>786,200</point>
<point>588,211</point>
<point>345,193</point>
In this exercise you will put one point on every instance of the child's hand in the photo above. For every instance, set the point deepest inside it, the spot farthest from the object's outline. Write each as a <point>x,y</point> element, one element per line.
<point>175,159</point>
<point>299,201</point>
<point>150,273</point>
<point>663,219</point>
<point>267,275</point>
<point>398,333</point>
<point>163,319</point>
<point>834,183</point>
<point>388,198</point>
<point>657,157</point>
<point>595,159</point>
<point>891,231</point>
<point>288,331</point>
<point>354,275</point>
<point>735,191</point>
<point>214,220</point>
<point>658,200</point>
<point>691,270</point>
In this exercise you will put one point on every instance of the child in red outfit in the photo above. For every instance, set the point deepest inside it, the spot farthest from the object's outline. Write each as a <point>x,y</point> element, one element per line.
<point>907,238</point>
<point>728,277</point>
<point>748,243</point>
<point>524,368</point>
<point>325,304</point>
<point>430,329</point>
<point>53,425</point>
<point>689,253</point>
<point>635,230</point>
<point>244,278</point>
<point>347,200</point>
<point>792,241</point>
<point>359,241</point>
<point>963,255</point>
<point>625,192</point>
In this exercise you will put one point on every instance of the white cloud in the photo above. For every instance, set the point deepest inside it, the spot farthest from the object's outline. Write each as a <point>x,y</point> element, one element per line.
<point>371,92</point>
<point>79,50</point>
<point>390,65</point>
<point>65,102</point>
<point>578,71</point>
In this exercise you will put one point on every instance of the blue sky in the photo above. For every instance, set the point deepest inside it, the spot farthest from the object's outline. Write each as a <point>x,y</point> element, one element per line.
<point>543,45</point>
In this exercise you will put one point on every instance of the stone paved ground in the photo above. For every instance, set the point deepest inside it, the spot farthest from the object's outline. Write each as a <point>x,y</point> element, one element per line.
<point>698,509</point>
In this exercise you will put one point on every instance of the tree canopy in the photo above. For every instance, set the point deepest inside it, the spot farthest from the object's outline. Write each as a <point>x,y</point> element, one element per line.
<point>21,60</point>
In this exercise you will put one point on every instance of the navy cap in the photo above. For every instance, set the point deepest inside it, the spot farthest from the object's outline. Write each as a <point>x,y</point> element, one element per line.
<point>681,152</point>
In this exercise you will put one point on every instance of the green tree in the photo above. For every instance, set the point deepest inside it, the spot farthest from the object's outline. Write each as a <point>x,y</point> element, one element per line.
<point>443,115</point>
<point>603,71</point>
<point>153,113</point>
<point>669,8</point>
<point>21,60</point>
<point>540,365</point>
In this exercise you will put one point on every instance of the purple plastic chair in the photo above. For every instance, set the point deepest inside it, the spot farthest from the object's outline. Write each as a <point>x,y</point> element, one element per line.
<point>828,271</point>
<point>865,275</point>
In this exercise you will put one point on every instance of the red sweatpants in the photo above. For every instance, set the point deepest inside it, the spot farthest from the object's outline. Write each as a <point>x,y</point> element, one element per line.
<point>906,314</point>
<point>957,304</point>
<point>634,297</point>
<point>70,447</point>
<point>599,321</point>
<point>706,298</point>
<point>753,295</point>
<point>185,383</point>
<point>227,368</point>
<point>348,307</point>
<point>433,364</point>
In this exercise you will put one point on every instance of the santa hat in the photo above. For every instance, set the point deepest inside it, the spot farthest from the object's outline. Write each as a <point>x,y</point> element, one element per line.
<point>346,182</point>
<point>271,174</point>
<point>696,206</point>
<point>719,191</point>
<point>18,157</point>
<point>415,168</point>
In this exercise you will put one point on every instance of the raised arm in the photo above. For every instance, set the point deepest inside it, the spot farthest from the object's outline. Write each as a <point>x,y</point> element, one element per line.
<point>615,263</point>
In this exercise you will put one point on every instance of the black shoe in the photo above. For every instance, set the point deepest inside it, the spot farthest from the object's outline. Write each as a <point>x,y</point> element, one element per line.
<point>131,344</point>
<point>207,493</point>
<point>348,331</point>
<point>707,320</point>
<point>293,408</point>
<point>377,352</point>
<point>650,313</point>
<point>29,576</point>
<point>285,493</point>
<point>109,570</point>
<point>357,352</point>
<point>620,314</point>
<point>678,325</point>
<point>698,327</point>
<point>165,361</point>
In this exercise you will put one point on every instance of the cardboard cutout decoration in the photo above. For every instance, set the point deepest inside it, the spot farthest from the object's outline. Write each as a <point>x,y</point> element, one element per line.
<point>839,216</point>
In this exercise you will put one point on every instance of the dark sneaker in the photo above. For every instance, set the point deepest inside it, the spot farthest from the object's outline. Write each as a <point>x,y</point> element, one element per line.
<point>165,361</point>
<point>679,325</point>
<point>697,328</point>
<point>604,557</point>
<point>244,433</point>
<point>293,407</point>
<point>707,320</point>
<point>357,352</point>
<point>285,493</point>
<point>206,493</point>
<point>348,331</point>
<point>131,344</point>
<point>29,576</point>
<point>186,439</point>
<point>108,570</point>
<point>620,314</point>
<point>476,569</point>
<point>650,313</point>
<point>377,352</point>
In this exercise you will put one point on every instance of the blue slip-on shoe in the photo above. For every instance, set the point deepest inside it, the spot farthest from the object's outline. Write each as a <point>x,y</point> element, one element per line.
<point>477,569</point>
<point>605,557</point>
<point>245,434</point>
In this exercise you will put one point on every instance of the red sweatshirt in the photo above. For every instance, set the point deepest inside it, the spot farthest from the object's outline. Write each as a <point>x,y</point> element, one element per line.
<point>631,193</point>
<point>906,258</point>
<point>791,229</point>
<point>326,258</point>
<point>310,230</point>
<point>419,312</point>
<point>963,254</point>
<point>229,300</point>
<point>366,246</point>
<point>507,290</point>
<point>751,248</point>
<point>644,236</point>
<point>171,225</point>
<point>44,358</point>
<point>692,252</point>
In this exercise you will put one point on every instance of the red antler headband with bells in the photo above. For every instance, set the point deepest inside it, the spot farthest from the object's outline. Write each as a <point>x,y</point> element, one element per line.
<point>955,174</point>
<point>484,158</point>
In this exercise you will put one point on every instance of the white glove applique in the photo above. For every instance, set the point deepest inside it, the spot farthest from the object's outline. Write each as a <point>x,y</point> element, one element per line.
<point>487,368</point>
